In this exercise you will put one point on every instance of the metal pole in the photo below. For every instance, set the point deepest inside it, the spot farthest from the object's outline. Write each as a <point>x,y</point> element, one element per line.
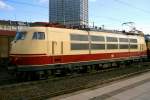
<point>93,25</point>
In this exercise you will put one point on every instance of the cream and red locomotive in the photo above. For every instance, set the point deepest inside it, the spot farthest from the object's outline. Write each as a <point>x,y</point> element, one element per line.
<point>49,48</point>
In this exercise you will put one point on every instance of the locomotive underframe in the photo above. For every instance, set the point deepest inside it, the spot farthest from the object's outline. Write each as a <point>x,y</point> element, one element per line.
<point>30,72</point>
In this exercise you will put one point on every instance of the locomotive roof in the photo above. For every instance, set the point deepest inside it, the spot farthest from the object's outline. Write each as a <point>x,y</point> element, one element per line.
<point>91,30</point>
<point>58,25</point>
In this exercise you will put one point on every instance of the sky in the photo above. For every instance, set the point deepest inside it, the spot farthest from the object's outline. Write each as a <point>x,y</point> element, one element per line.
<point>110,13</point>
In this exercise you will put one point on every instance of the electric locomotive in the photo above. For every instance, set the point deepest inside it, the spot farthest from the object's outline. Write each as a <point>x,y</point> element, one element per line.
<point>47,50</point>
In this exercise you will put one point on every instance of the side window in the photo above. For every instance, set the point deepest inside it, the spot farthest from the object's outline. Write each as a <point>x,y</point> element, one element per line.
<point>133,40</point>
<point>133,46</point>
<point>98,38</point>
<point>38,36</point>
<point>78,37</point>
<point>79,46</point>
<point>124,46</point>
<point>123,40</point>
<point>112,39</point>
<point>98,46</point>
<point>112,46</point>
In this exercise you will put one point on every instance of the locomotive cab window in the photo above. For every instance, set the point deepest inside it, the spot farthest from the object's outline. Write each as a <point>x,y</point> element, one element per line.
<point>20,36</point>
<point>38,36</point>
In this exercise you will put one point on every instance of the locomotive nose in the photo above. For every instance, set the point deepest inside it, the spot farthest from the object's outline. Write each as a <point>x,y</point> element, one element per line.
<point>28,48</point>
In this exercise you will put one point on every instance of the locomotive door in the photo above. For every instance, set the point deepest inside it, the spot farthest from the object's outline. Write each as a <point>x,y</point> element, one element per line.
<point>57,51</point>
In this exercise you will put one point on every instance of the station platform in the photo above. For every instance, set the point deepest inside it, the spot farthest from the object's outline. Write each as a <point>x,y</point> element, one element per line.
<point>133,88</point>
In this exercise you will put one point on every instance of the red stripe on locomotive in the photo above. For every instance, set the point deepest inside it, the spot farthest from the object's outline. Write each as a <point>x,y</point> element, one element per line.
<point>44,60</point>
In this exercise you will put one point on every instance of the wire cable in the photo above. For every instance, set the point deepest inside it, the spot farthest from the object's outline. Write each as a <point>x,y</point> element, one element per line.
<point>132,6</point>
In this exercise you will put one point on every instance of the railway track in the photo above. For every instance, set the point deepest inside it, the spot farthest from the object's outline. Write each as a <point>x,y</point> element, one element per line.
<point>43,89</point>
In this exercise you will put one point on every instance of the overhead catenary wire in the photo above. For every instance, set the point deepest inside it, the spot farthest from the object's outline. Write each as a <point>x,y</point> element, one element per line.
<point>132,6</point>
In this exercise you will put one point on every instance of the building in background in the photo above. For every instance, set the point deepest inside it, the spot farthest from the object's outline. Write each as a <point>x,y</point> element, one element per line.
<point>69,12</point>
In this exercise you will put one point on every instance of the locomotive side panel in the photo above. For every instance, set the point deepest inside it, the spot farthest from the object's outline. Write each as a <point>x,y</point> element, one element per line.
<point>80,46</point>
<point>59,41</point>
<point>63,36</point>
<point>63,48</point>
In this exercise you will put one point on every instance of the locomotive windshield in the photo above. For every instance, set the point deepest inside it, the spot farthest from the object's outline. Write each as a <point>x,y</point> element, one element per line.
<point>20,36</point>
